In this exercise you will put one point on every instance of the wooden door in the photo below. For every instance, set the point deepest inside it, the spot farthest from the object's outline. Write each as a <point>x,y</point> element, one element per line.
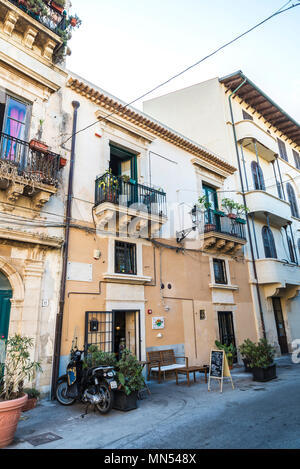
<point>5,305</point>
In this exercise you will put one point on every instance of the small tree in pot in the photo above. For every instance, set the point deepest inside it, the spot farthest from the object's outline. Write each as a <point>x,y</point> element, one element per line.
<point>260,358</point>
<point>131,381</point>
<point>18,369</point>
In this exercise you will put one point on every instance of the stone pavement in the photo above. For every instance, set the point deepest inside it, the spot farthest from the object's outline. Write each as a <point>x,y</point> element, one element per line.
<point>168,408</point>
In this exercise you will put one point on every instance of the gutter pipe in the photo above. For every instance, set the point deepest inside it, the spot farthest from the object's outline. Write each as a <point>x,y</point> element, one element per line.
<point>59,318</point>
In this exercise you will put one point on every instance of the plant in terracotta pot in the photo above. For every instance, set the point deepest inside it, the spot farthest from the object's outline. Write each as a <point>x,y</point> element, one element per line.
<point>230,207</point>
<point>130,380</point>
<point>206,206</point>
<point>33,396</point>
<point>18,369</point>
<point>229,350</point>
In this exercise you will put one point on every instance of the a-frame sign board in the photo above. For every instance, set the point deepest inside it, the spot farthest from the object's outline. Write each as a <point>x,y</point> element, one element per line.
<point>219,368</point>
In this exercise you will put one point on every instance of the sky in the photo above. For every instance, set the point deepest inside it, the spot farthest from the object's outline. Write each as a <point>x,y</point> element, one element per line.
<point>128,47</point>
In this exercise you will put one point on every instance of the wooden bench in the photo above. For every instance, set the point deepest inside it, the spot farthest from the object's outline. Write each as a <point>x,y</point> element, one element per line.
<point>163,361</point>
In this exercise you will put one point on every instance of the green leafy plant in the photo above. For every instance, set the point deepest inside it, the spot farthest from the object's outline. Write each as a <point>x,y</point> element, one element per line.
<point>18,368</point>
<point>229,350</point>
<point>258,355</point>
<point>203,203</point>
<point>241,210</point>
<point>130,373</point>
<point>229,205</point>
<point>96,357</point>
<point>32,393</point>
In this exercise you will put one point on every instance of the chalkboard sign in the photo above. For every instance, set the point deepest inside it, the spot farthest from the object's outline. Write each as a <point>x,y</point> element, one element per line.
<point>217,363</point>
<point>219,368</point>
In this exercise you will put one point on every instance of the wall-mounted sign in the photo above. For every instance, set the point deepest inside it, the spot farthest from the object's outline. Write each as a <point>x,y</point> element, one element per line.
<point>80,272</point>
<point>158,323</point>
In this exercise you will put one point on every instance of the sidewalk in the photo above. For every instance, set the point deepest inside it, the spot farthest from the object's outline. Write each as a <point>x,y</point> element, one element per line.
<point>167,404</point>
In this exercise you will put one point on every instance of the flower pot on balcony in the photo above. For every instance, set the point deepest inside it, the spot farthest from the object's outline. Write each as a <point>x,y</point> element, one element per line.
<point>241,221</point>
<point>264,374</point>
<point>220,213</point>
<point>36,145</point>
<point>73,22</point>
<point>57,7</point>
<point>10,412</point>
<point>62,162</point>
<point>210,227</point>
<point>232,216</point>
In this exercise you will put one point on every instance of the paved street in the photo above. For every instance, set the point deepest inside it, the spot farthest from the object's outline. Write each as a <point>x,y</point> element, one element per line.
<point>254,415</point>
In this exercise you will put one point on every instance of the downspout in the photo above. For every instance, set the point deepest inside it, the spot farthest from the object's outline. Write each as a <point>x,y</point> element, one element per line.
<point>59,318</point>
<point>245,203</point>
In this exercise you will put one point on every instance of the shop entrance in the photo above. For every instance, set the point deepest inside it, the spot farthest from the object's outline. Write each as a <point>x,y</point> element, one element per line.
<point>113,331</point>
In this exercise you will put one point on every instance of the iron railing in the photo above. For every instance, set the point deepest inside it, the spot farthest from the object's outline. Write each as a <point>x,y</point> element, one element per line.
<point>223,224</point>
<point>53,20</point>
<point>18,159</point>
<point>110,188</point>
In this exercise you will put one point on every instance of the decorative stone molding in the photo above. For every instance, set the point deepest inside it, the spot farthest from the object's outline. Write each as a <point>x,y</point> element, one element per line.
<point>40,199</point>
<point>49,49</point>
<point>29,37</point>
<point>33,269</point>
<point>14,279</point>
<point>15,191</point>
<point>10,22</point>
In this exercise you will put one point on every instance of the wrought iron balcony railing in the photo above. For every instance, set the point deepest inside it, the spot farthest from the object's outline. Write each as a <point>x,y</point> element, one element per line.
<point>116,190</point>
<point>17,159</point>
<point>53,20</point>
<point>223,224</point>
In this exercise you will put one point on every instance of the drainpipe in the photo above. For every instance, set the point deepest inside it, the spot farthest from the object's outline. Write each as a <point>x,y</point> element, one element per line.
<point>245,203</point>
<point>59,318</point>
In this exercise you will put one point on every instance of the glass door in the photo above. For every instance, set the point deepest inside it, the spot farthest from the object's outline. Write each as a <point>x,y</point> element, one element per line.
<point>210,218</point>
<point>226,329</point>
<point>282,339</point>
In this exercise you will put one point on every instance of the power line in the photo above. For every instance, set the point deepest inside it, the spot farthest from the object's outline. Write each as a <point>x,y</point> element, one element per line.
<point>278,12</point>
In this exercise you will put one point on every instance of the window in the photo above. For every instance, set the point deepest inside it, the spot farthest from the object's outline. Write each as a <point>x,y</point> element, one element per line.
<point>279,190</point>
<point>297,159</point>
<point>247,116</point>
<point>211,196</point>
<point>299,246</point>
<point>282,149</point>
<point>220,271</point>
<point>292,200</point>
<point>258,177</point>
<point>291,250</point>
<point>269,244</point>
<point>125,258</point>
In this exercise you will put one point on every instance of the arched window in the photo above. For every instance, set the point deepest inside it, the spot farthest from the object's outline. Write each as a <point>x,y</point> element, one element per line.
<point>291,250</point>
<point>269,244</point>
<point>292,200</point>
<point>258,177</point>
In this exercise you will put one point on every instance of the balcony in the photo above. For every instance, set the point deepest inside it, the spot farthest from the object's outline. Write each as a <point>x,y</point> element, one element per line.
<point>223,234</point>
<point>247,131</point>
<point>26,172</point>
<point>38,35</point>
<point>261,203</point>
<point>275,274</point>
<point>124,206</point>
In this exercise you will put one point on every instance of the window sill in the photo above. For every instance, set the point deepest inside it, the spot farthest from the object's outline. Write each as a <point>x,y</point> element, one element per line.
<point>127,278</point>
<point>221,286</point>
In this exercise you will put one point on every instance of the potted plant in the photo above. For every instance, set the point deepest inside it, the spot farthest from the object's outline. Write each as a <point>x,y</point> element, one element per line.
<point>18,368</point>
<point>229,205</point>
<point>206,206</point>
<point>36,145</point>
<point>246,350</point>
<point>262,361</point>
<point>33,396</point>
<point>58,5</point>
<point>96,357</point>
<point>229,350</point>
<point>109,185</point>
<point>130,379</point>
<point>241,210</point>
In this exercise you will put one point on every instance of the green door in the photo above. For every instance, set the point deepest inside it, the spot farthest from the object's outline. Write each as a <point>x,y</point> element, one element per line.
<point>5,297</point>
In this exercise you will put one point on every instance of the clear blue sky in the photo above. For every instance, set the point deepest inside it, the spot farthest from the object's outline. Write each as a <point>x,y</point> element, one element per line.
<point>129,46</point>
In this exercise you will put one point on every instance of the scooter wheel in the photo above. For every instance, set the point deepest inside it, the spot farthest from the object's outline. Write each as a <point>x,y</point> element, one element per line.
<point>105,406</point>
<point>61,394</point>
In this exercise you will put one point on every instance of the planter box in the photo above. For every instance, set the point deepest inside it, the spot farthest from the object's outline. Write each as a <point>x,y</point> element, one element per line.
<point>246,365</point>
<point>38,146</point>
<point>10,412</point>
<point>232,216</point>
<point>264,374</point>
<point>124,402</point>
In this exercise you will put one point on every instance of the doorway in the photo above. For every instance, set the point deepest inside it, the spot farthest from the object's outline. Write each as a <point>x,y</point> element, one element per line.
<point>126,332</point>
<point>5,305</point>
<point>226,329</point>
<point>280,326</point>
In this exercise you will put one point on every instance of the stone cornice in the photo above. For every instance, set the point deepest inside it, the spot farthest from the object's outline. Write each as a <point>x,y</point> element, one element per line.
<point>31,238</point>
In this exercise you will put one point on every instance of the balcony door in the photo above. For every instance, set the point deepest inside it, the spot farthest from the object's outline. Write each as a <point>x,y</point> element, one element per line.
<point>123,165</point>
<point>280,326</point>
<point>211,196</point>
